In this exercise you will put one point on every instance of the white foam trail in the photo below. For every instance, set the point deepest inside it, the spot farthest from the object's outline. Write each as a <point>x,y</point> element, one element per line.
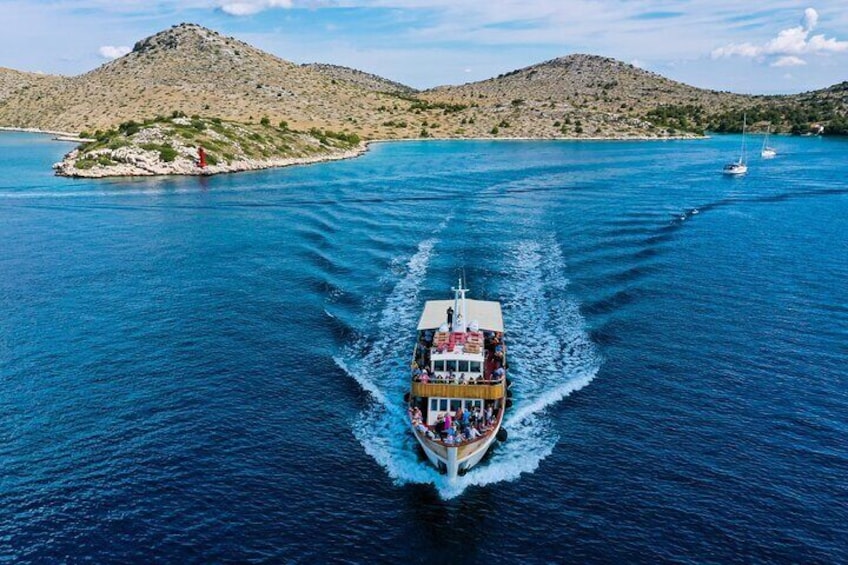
<point>379,367</point>
<point>552,352</point>
<point>550,357</point>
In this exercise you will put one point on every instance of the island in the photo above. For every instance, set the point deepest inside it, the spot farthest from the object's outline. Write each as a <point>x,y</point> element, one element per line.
<point>195,145</point>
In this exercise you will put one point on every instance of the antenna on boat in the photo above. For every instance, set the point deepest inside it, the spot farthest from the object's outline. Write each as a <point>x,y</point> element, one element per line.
<point>460,318</point>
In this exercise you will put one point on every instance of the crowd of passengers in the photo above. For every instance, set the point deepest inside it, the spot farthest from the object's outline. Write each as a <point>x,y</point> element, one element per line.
<point>464,425</point>
<point>424,376</point>
<point>494,348</point>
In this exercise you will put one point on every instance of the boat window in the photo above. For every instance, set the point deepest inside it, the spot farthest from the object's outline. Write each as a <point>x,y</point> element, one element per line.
<point>443,404</point>
<point>463,366</point>
<point>455,404</point>
<point>451,365</point>
<point>475,367</point>
<point>439,365</point>
<point>434,405</point>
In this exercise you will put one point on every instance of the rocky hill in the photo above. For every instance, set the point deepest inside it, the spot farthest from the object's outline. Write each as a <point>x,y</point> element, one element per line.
<point>580,94</point>
<point>196,71</point>
<point>12,81</point>
<point>360,78</point>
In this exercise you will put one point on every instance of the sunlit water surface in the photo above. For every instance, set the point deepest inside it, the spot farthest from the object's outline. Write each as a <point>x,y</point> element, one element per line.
<point>212,369</point>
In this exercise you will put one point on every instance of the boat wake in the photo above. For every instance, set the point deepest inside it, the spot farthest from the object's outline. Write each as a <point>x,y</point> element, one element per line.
<point>550,357</point>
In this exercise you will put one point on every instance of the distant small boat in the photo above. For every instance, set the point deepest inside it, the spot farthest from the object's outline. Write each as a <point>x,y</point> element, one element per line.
<point>739,167</point>
<point>767,152</point>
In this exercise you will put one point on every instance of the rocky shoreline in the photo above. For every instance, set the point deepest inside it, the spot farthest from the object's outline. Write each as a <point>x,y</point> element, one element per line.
<point>196,146</point>
<point>68,136</point>
<point>136,162</point>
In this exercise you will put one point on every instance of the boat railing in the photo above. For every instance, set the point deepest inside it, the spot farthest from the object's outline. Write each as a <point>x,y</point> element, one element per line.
<point>432,437</point>
<point>450,390</point>
<point>457,381</point>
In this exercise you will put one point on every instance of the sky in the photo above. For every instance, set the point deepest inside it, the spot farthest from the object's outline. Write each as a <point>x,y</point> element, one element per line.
<point>774,47</point>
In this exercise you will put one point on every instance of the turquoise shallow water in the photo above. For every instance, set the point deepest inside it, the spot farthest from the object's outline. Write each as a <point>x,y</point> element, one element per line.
<point>212,369</point>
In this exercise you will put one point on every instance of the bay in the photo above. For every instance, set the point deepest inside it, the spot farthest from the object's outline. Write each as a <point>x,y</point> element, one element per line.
<point>212,369</point>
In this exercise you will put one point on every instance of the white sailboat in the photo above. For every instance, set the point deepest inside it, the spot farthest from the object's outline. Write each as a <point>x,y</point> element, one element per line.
<point>737,168</point>
<point>767,152</point>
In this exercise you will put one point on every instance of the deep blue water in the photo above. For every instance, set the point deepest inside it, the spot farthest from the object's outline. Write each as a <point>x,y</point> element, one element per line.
<point>206,370</point>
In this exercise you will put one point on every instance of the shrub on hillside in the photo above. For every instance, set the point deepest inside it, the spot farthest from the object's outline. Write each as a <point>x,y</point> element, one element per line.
<point>129,128</point>
<point>167,153</point>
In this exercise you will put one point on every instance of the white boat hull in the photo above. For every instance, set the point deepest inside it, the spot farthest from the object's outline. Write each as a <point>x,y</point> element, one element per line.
<point>735,170</point>
<point>452,464</point>
<point>458,386</point>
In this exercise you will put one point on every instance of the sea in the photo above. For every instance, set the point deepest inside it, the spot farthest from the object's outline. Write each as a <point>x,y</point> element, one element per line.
<point>211,369</point>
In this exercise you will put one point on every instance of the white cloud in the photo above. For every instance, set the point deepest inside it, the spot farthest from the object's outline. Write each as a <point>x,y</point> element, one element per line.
<point>785,49</point>
<point>789,61</point>
<point>811,18</point>
<point>740,49</point>
<point>113,52</point>
<point>250,7</point>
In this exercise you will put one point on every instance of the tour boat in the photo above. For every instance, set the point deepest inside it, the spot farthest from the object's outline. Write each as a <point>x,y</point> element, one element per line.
<point>459,390</point>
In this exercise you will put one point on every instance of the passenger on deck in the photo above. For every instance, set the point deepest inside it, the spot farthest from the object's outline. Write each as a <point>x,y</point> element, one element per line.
<point>465,418</point>
<point>499,352</point>
<point>451,434</point>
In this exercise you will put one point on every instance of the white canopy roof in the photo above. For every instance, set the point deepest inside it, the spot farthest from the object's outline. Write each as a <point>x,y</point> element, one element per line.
<point>488,314</point>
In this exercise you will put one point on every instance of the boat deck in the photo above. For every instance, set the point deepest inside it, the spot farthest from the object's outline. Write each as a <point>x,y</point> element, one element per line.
<point>490,388</point>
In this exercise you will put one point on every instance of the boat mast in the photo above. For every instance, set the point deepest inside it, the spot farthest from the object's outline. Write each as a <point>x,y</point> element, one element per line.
<point>459,307</point>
